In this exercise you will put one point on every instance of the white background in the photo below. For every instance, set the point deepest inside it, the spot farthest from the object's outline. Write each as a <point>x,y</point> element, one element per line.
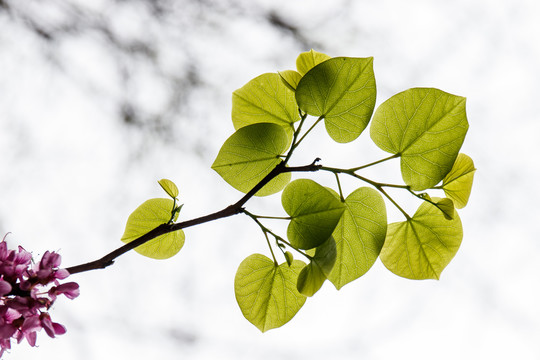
<point>71,172</point>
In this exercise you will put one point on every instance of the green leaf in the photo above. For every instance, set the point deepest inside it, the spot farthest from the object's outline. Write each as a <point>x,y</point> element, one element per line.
<point>447,208</point>
<point>314,213</point>
<point>170,188</point>
<point>421,247</point>
<point>309,59</point>
<point>426,127</point>
<point>265,99</point>
<point>290,78</point>
<point>266,292</point>
<point>289,257</point>
<point>314,274</point>
<point>250,154</point>
<point>343,91</point>
<point>457,184</point>
<point>148,216</point>
<point>359,235</point>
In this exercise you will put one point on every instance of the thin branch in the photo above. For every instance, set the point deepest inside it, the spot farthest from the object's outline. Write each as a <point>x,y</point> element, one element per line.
<point>230,210</point>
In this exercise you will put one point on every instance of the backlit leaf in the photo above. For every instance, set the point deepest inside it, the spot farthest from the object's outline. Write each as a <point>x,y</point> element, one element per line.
<point>359,235</point>
<point>314,213</point>
<point>249,154</point>
<point>309,59</point>
<point>265,99</point>
<point>343,91</point>
<point>266,292</point>
<point>170,188</point>
<point>426,127</point>
<point>290,78</point>
<point>421,247</point>
<point>457,184</point>
<point>148,216</point>
<point>289,257</point>
<point>314,274</point>
<point>447,208</point>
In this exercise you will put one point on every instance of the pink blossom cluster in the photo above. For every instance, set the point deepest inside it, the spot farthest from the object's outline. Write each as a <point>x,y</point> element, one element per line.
<point>27,291</point>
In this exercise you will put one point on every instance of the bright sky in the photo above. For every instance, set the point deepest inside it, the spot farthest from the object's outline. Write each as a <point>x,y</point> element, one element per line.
<point>72,172</point>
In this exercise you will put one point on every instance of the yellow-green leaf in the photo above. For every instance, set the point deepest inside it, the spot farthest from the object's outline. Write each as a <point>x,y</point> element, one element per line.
<point>170,188</point>
<point>314,213</point>
<point>289,257</point>
<point>314,274</point>
<point>421,247</point>
<point>249,154</point>
<point>447,208</point>
<point>343,91</point>
<point>426,127</point>
<point>148,216</point>
<point>359,235</point>
<point>265,99</point>
<point>290,78</point>
<point>457,184</point>
<point>266,292</point>
<point>309,59</point>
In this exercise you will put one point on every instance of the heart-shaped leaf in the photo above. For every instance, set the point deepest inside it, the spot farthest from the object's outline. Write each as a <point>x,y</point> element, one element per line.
<point>314,213</point>
<point>422,246</point>
<point>265,99</point>
<point>359,235</point>
<point>343,91</point>
<point>266,292</point>
<point>148,216</point>
<point>308,60</point>
<point>426,127</point>
<point>249,154</point>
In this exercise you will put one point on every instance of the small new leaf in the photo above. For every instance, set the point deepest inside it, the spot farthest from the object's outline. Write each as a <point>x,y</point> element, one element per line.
<point>457,184</point>
<point>343,91</point>
<point>249,154</point>
<point>422,246</point>
<point>289,257</point>
<point>314,213</point>
<point>426,127</point>
<point>308,60</point>
<point>266,292</point>
<point>314,274</point>
<point>148,216</point>
<point>170,188</point>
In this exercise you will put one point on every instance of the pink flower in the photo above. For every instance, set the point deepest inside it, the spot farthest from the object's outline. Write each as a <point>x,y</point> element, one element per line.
<point>70,290</point>
<point>26,294</point>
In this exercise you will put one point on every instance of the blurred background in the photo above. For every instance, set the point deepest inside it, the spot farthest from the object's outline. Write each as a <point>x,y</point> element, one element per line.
<point>100,99</point>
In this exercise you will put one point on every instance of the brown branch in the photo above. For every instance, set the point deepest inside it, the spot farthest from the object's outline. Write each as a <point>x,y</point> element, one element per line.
<point>162,229</point>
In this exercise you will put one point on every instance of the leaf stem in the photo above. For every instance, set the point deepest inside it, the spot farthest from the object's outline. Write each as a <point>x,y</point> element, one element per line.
<point>270,247</point>
<point>292,247</point>
<point>271,217</point>
<point>295,136</point>
<point>375,162</point>
<point>339,187</point>
<point>378,186</point>
<point>394,202</point>
<point>311,128</point>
